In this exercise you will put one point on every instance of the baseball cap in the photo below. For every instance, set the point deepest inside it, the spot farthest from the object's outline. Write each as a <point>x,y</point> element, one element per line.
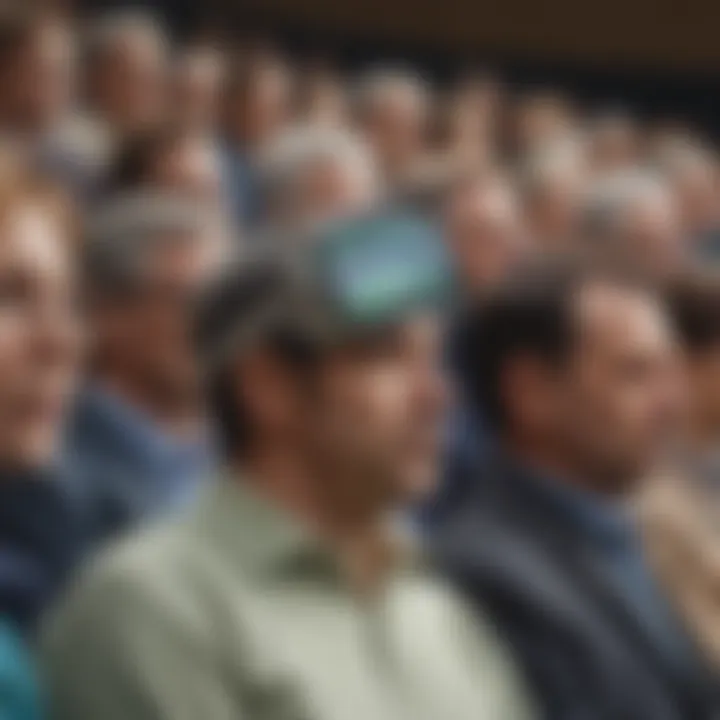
<point>345,281</point>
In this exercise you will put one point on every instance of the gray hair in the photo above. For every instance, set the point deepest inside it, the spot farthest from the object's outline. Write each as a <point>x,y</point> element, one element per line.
<point>384,84</point>
<point>611,198</point>
<point>123,233</point>
<point>543,166</point>
<point>285,165</point>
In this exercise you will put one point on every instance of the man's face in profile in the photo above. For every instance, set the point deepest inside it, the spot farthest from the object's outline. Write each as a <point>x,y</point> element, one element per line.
<point>621,399</point>
<point>377,410</point>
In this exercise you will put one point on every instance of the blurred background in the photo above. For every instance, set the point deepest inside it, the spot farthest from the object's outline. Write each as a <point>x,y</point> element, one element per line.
<point>146,147</point>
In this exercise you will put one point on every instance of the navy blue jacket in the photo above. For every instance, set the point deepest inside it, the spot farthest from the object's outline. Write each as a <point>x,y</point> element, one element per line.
<point>42,538</point>
<point>576,626</point>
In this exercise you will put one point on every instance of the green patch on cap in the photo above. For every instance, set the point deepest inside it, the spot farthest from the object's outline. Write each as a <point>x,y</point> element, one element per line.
<point>382,267</point>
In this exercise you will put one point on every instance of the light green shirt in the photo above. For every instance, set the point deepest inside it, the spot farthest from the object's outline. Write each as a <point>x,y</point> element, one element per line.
<point>236,613</point>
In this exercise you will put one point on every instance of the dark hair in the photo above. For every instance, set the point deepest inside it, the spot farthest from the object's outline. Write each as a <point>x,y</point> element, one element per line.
<point>136,159</point>
<point>233,422</point>
<point>694,302</point>
<point>532,313</point>
<point>232,299</point>
<point>18,25</point>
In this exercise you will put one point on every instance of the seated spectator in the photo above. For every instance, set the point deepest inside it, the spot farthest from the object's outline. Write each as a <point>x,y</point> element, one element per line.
<point>471,120</point>
<point>124,64</point>
<point>681,512</point>
<point>36,73</point>
<point>552,185</point>
<point>127,54</point>
<point>139,443</point>
<point>19,693</point>
<point>540,119</point>
<point>286,594</point>
<point>322,98</point>
<point>484,230</point>
<point>392,111</point>
<point>632,219</point>
<point>313,175</point>
<point>614,143</point>
<point>196,89</point>
<point>38,78</point>
<point>575,371</point>
<point>172,159</point>
<point>40,338</point>
<point>257,108</point>
<point>692,172</point>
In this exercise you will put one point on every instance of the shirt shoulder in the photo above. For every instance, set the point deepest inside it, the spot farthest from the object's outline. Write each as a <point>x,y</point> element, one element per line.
<point>146,625</point>
<point>157,574</point>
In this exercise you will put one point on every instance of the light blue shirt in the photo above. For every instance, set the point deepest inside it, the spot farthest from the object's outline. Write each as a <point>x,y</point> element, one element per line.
<point>123,469</point>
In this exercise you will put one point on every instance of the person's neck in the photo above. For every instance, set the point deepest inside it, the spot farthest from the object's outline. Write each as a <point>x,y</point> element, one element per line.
<point>178,417</point>
<point>557,465</point>
<point>356,533</point>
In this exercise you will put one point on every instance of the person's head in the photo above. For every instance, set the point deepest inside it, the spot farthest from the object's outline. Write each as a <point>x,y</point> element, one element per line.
<point>168,158</point>
<point>312,175</point>
<point>196,88</point>
<point>322,99</point>
<point>692,172</point>
<point>470,116</point>
<point>392,111</point>
<point>145,261</point>
<point>541,117</point>
<point>40,329</point>
<point>694,302</point>
<point>334,363</point>
<point>258,99</point>
<point>614,143</point>
<point>127,59</point>
<point>37,70</point>
<point>575,368</point>
<point>552,182</point>
<point>632,218</point>
<point>484,230</point>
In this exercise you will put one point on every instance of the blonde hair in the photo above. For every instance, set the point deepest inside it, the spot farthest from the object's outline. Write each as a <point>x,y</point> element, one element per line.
<point>22,186</point>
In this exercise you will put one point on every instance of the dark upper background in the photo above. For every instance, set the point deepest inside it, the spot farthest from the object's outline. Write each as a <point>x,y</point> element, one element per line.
<point>657,56</point>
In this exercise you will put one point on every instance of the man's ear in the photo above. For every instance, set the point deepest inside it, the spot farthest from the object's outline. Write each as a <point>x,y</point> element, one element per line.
<point>528,389</point>
<point>267,388</point>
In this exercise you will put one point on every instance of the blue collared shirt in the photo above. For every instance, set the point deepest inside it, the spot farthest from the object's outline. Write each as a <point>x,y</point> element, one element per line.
<point>610,529</point>
<point>124,469</point>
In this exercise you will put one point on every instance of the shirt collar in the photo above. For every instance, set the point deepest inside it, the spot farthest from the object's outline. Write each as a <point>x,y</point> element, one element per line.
<point>606,522</point>
<point>260,538</point>
<point>134,428</point>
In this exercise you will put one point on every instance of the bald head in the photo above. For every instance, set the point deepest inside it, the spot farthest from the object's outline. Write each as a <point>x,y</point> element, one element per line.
<point>484,230</point>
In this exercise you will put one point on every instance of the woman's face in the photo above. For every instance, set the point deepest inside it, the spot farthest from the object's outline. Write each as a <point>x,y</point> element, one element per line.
<point>40,336</point>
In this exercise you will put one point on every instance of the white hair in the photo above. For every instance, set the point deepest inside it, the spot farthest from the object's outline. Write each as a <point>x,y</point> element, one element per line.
<point>682,156</point>
<point>552,161</point>
<point>124,232</point>
<point>379,86</point>
<point>612,197</point>
<point>285,164</point>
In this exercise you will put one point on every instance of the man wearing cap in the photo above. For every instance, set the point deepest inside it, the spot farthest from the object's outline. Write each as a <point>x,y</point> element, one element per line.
<point>290,593</point>
<point>137,446</point>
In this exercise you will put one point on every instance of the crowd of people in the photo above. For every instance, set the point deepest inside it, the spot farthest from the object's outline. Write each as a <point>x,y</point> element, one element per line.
<point>331,396</point>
